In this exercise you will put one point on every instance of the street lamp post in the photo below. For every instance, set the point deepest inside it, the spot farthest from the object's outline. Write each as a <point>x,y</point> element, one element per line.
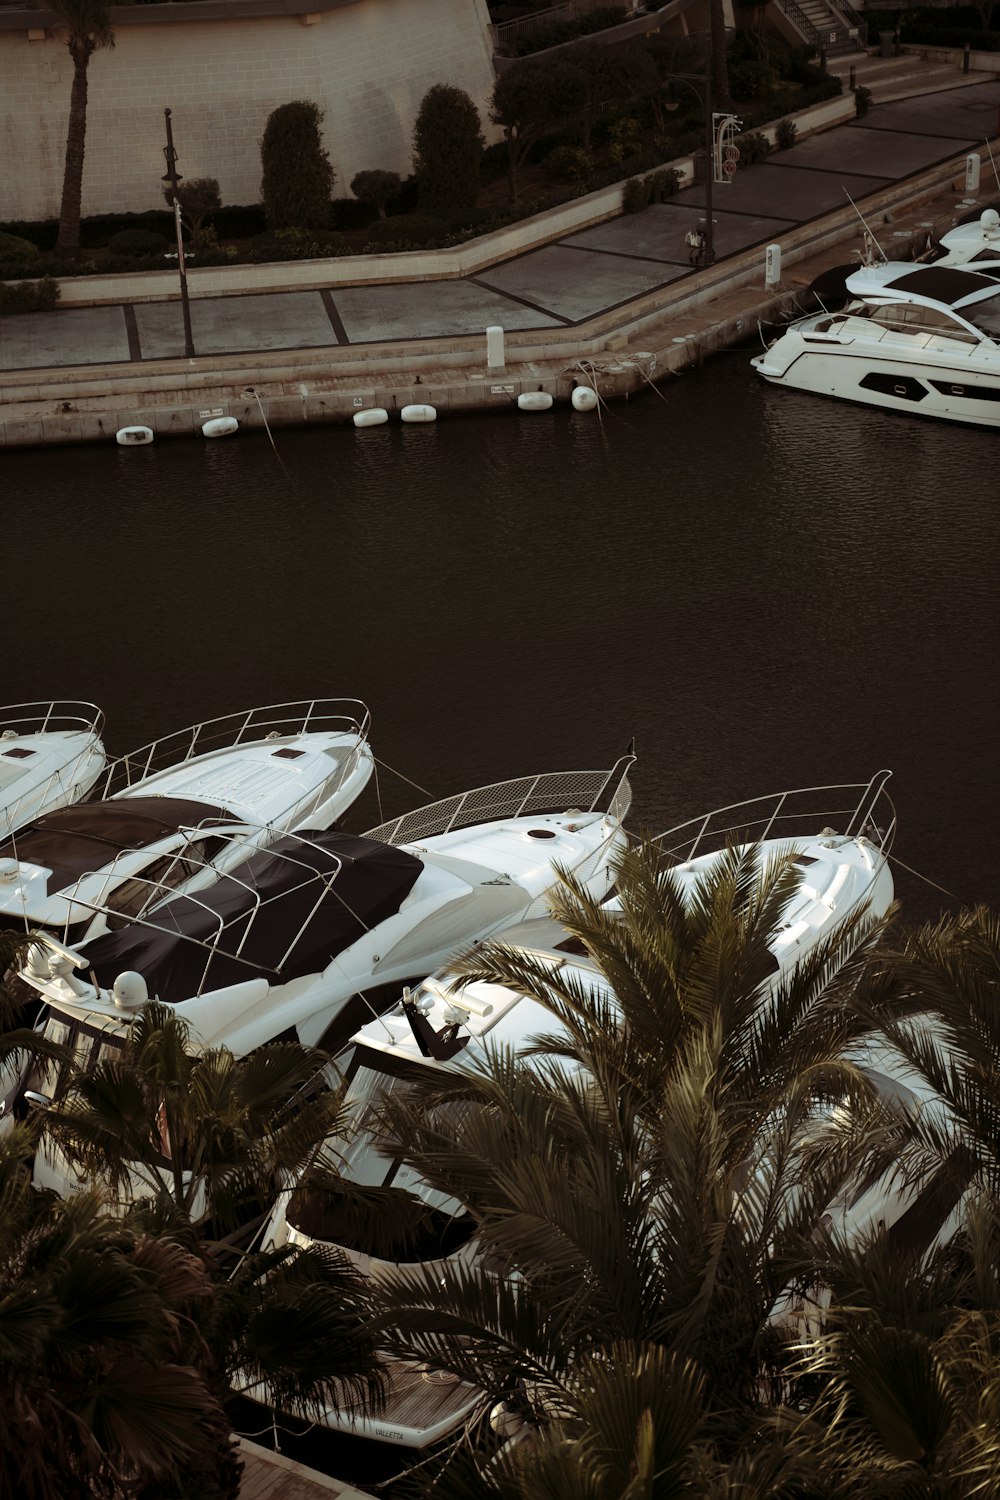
<point>173,177</point>
<point>693,80</point>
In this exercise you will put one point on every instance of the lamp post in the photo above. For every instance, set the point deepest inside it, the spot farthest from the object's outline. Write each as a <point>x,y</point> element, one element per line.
<point>173,177</point>
<point>693,80</point>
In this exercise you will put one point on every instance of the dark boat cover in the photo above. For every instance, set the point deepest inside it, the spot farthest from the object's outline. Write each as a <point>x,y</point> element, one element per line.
<point>74,840</point>
<point>272,902</point>
<point>948,284</point>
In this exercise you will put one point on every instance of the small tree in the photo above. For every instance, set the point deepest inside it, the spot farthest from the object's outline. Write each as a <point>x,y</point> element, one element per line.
<point>531,97</point>
<point>297,179</point>
<point>197,198</point>
<point>614,75</point>
<point>376,188</point>
<point>447,149</point>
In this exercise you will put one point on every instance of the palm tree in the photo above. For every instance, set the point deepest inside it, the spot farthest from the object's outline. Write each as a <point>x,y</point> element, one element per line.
<point>93,1394</point>
<point>89,26</point>
<point>650,1175</point>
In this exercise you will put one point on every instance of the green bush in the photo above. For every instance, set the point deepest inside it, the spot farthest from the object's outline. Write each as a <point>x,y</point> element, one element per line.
<point>138,242</point>
<point>754,146</point>
<point>557,32</point>
<point>241,221</point>
<point>636,195</point>
<point>42,235</point>
<point>862,100</point>
<point>663,184</point>
<point>570,164</point>
<point>785,134</point>
<point>297,178</point>
<point>375,188</point>
<point>407,229</point>
<point>14,248</point>
<point>297,244</point>
<point>30,296</point>
<point>98,230</point>
<point>447,149</point>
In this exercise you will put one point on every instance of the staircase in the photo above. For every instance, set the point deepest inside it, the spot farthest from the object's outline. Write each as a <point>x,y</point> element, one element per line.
<point>833,27</point>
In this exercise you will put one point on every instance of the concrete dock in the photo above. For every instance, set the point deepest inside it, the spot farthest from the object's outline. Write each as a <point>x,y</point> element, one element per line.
<point>614,304</point>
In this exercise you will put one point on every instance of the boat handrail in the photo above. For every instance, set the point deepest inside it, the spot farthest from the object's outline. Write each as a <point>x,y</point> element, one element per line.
<point>57,716</point>
<point>550,791</point>
<point>860,808</point>
<point>276,720</point>
<point>153,907</point>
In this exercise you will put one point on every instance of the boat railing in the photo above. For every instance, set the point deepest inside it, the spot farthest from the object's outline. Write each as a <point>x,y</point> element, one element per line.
<point>853,809</point>
<point>275,721</point>
<point>553,791</point>
<point>158,914</point>
<point>57,717</point>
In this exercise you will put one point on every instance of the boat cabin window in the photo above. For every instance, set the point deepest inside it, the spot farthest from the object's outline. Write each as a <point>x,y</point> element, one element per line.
<point>910,319</point>
<point>986,315</point>
<point>83,1048</point>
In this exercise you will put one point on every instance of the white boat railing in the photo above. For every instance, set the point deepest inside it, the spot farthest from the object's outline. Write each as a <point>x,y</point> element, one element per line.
<point>276,721</point>
<point>853,809</point>
<point>57,717</point>
<point>553,791</point>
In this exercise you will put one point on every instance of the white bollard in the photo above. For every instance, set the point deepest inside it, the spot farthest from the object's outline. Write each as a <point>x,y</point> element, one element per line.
<point>972,164</point>
<point>772,265</point>
<point>495,357</point>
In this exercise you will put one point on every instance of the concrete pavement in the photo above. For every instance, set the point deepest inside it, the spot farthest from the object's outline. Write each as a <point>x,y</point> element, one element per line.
<point>559,286</point>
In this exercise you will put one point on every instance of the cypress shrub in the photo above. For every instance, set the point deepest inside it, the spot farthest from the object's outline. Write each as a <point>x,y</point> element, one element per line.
<point>297,180</point>
<point>447,151</point>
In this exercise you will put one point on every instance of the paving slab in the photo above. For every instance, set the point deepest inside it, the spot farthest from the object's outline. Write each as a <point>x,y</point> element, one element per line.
<point>576,284</point>
<point>66,336</point>
<point>887,153</point>
<point>965,114</point>
<point>658,232</point>
<point>429,309</point>
<point>795,193</point>
<point>235,325</point>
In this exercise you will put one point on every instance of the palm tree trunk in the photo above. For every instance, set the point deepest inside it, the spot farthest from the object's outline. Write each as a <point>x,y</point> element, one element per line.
<point>72,192</point>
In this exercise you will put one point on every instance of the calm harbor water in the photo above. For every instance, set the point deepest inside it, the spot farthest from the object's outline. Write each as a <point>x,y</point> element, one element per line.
<point>767,590</point>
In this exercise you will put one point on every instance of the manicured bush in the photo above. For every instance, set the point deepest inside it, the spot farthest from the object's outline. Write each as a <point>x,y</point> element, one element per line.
<point>240,221</point>
<point>862,100</point>
<point>97,230</point>
<point>753,147</point>
<point>663,184</point>
<point>636,195</point>
<point>138,242</point>
<point>42,234</point>
<point>785,134</point>
<point>14,248</point>
<point>409,229</point>
<point>297,244</point>
<point>297,181</point>
<point>375,189</point>
<point>199,199</point>
<point>30,296</point>
<point>447,150</point>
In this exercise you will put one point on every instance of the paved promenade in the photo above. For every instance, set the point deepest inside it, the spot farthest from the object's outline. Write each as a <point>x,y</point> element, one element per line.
<point>556,287</point>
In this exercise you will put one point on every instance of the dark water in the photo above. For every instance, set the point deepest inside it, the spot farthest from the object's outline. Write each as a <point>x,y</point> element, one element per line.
<point>766,589</point>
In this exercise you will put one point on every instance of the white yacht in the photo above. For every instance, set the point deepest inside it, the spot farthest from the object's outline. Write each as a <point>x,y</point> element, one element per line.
<point>181,808</point>
<point>436,1028</point>
<point>320,931</point>
<point>51,755</point>
<point>923,339</point>
<point>974,244</point>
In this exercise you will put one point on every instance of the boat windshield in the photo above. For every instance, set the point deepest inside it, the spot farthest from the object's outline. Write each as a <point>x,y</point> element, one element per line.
<point>986,316</point>
<point>410,1220</point>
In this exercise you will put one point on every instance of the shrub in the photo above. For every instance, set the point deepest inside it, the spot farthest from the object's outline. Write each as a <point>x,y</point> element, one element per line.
<point>198,199</point>
<point>14,248</point>
<point>297,244</point>
<point>407,229</point>
<point>556,32</point>
<point>635,195</point>
<point>98,230</point>
<point>375,189</point>
<point>239,221</point>
<point>569,164</point>
<point>754,146</point>
<point>862,100</point>
<point>137,242</point>
<point>663,184</point>
<point>30,296</point>
<point>785,134</point>
<point>447,150</point>
<point>42,235</point>
<point>297,179</point>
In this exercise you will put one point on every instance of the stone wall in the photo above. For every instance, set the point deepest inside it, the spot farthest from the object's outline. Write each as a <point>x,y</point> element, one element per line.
<point>367,65</point>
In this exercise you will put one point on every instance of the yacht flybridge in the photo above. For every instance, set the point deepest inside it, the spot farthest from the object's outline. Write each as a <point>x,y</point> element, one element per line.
<point>975,244</point>
<point>320,931</point>
<point>440,1027</point>
<point>175,812</point>
<point>922,339</point>
<point>50,756</point>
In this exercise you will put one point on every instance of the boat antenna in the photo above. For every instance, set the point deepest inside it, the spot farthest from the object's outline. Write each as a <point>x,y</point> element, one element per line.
<point>868,230</point>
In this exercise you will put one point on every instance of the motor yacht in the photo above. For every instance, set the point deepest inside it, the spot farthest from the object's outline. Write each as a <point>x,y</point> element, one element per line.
<point>173,813</point>
<point>439,1027</point>
<point>51,755</point>
<point>974,244</point>
<point>923,339</point>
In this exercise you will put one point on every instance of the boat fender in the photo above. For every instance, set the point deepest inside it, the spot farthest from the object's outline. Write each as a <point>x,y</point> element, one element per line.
<point>584,398</point>
<point>418,413</point>
<point>374,416</point>
<point>130,437</point>
<point>534,401</point>
<point>219,427</point>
